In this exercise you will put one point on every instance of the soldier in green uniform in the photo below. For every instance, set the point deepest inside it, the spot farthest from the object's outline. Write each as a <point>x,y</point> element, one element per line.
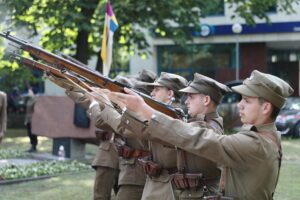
<point>203,96</point>
<point>251,158</point>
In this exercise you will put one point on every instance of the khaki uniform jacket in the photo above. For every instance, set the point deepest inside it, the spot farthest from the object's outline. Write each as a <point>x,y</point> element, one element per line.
<point>195,164</point>
<point>29,109</point>
<point>131,173</point>
<point>251,160</point>
<point>3,114</point>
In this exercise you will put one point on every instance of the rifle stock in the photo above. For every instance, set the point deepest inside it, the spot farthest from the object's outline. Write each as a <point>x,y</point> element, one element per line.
<point>89,74</point>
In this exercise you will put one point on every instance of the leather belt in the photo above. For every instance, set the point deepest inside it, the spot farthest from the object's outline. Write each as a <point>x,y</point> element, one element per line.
<point>128,152</point>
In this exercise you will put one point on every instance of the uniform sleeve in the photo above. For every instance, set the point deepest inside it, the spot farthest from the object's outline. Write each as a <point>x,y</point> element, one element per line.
<point>109,119</point>
<point>228,150</point>
<point>78,97</point>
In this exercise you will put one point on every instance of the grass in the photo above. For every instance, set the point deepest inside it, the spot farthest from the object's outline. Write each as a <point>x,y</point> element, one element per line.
<point>289,180</point>
<point>80,186</point>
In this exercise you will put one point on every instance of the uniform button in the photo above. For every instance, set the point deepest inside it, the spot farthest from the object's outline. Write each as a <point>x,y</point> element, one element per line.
<point>127,121</point>
<point>190,195</point>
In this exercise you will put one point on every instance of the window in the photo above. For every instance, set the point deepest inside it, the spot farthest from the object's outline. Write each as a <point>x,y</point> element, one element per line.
<point>201,58</point>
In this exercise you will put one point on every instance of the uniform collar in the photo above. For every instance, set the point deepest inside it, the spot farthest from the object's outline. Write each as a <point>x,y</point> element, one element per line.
<point>205,117</point>
<point>260,128</point>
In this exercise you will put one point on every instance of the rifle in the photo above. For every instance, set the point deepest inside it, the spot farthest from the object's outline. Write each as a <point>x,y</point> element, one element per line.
<point>89,74</point>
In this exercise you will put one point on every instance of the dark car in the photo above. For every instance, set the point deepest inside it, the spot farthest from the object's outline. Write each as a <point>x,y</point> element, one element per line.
<point>288,120</point>
<point>228,108</point>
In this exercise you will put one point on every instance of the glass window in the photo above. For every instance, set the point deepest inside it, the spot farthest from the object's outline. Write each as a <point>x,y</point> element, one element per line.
<point>202,58</point>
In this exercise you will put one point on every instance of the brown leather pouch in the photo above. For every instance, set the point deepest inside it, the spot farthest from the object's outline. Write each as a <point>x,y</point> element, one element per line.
<point>179,181</point>
<point>186,181</point>
<point>125,151</point>
<point>150,168</point>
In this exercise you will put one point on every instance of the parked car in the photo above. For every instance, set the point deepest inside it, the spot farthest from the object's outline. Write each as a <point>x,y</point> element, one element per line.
<point>288,120</point>
<point>228,108</point>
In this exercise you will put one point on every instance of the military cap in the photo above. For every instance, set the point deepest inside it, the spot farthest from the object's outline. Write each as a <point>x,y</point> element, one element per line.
<point>146,76</point>
<point>124,80</point>
<point>208,86</point>
<point>266,86</point>
<point>171,81</point>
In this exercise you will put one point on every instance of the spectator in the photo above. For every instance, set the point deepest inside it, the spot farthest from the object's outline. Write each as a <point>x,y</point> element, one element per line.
<point>28,116</point>
<point>3,114</point>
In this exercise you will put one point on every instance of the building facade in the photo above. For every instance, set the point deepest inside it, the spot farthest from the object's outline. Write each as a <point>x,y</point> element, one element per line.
<point>218,52</point>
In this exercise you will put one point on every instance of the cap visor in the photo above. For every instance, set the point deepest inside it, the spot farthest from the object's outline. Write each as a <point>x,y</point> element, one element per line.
<point>189,90</point>
<point>154,84</point>
<point>244,90</point>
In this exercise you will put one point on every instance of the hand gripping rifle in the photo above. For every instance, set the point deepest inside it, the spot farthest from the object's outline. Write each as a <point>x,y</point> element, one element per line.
<point>89,74</point>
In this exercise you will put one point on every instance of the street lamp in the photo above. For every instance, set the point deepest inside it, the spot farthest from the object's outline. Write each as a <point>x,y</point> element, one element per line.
<point>237,29</point>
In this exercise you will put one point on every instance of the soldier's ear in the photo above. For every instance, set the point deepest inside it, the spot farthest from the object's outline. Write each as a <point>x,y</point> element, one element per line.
<point>267,107</point>
<point>171,93</point>
<point>207,100</point>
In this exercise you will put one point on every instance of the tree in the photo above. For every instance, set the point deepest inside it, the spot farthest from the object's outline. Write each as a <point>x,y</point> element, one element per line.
<point>75,26</point>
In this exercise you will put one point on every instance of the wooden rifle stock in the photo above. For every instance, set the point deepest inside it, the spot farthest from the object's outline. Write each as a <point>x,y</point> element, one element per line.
<point>89,74</point>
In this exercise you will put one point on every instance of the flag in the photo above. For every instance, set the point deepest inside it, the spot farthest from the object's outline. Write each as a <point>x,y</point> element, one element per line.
<point>110,26</point>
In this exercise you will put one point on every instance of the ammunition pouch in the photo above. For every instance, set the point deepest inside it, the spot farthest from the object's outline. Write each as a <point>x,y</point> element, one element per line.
<point>187,181</point>
<point>128,152</point>
<point>151,168</point>
<point>218,197</point>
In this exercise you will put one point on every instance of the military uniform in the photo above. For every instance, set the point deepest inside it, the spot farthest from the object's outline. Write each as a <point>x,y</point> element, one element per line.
<point>189,163</point>
<point>250,158</point>
<point>28,116</point>
<point>3,114</point>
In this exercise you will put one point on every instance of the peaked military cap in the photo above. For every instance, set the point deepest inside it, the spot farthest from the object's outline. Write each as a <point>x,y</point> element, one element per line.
<point>208,86</point>
<point>171,81</point>
<point>124,80</point>
<point>145,76</point>
<point>266,86</point>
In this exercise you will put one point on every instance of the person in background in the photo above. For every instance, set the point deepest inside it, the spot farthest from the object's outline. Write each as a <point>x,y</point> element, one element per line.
<point>28,117</point>
<point>3,114</point>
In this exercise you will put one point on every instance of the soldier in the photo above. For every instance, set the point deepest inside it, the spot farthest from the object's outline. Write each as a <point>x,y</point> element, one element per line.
<point>106,161</point>
<point>251,158</point>
<point>3,114</point>
<point>203,96</point>
<point>163,157</point>
<point>131,178</point>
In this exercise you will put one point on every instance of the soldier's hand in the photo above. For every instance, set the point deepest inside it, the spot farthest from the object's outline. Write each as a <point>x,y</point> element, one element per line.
<point>100,95</point>
<point>132,102</point>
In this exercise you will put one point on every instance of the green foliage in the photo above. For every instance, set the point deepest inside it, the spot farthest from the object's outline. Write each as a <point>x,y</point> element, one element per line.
<point>41,169</point>
<point>74,27</point>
